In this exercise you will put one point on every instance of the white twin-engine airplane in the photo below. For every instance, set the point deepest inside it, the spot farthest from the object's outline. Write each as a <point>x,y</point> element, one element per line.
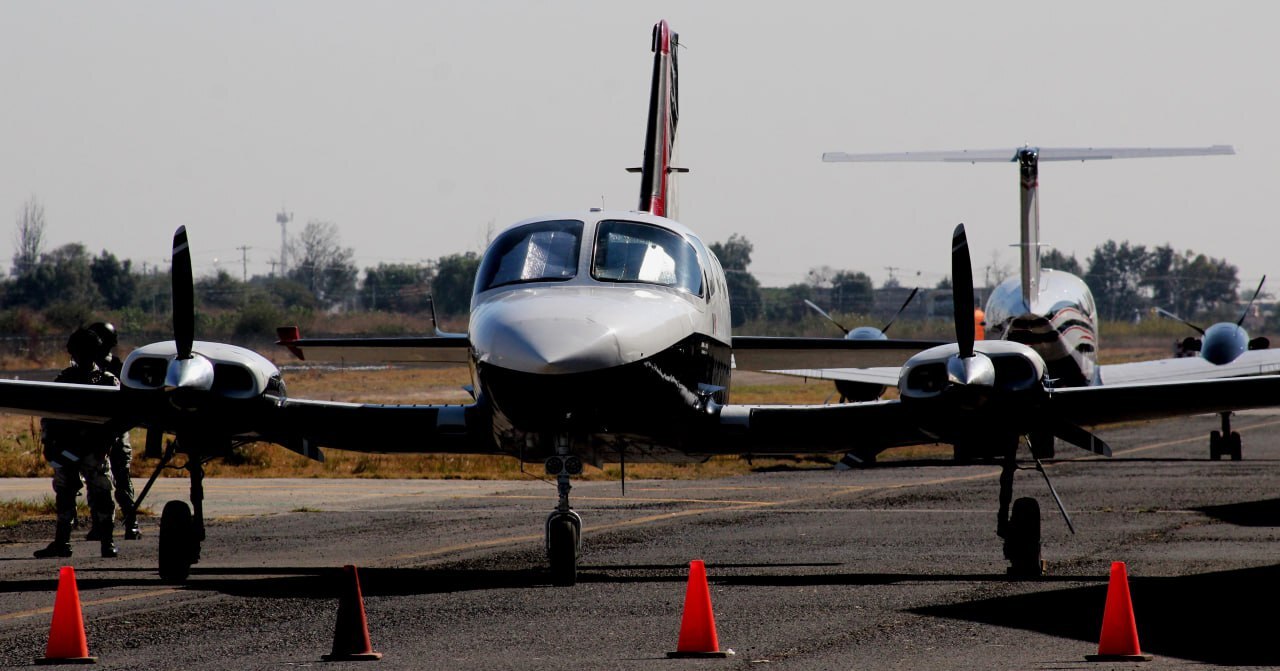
<point>600,337</point>
<point>1054,313</point>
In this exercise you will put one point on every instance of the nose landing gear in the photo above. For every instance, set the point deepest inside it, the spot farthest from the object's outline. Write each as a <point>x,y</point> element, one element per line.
<point>564,526</point>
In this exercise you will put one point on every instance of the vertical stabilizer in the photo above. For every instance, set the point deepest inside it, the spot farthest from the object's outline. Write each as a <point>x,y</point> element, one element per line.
<point>660,137</point>
<point>1028,165</point>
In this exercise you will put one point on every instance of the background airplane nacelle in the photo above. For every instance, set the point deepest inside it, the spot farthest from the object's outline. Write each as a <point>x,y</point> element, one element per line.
<point>1224,341</point>
<point>237,372</point>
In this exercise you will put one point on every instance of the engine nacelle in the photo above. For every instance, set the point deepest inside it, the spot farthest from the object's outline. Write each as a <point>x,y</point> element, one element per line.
<point>237,372</point>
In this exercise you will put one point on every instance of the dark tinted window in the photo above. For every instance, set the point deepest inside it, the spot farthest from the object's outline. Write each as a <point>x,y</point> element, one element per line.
<point>537,252</point>
<point>627,251</point>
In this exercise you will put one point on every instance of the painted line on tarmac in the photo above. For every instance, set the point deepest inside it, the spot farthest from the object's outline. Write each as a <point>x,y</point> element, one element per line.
<point>93,602</point>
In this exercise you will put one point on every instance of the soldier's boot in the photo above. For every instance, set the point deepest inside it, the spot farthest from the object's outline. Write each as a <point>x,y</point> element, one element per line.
<point>109,547</point>
<point>61,545</point>
<point>131,530</point>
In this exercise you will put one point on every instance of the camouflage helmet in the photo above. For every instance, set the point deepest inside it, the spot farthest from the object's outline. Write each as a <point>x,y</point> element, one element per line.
<point>106,332</point>
<point>84,346</point>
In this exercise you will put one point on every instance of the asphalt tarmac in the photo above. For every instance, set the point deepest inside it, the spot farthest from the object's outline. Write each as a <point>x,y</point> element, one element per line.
<point>892,567</point>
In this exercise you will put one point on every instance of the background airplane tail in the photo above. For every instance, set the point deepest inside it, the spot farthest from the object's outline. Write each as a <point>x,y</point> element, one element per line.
<point>656,192</point>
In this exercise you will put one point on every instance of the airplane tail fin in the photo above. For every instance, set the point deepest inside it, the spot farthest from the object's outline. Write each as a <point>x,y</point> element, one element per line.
<point>1029,247</point>
<point>660,137</point>
<point>1028,159</point>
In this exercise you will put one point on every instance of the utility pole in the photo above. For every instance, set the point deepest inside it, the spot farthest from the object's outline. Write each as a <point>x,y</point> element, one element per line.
<point>244,283</point>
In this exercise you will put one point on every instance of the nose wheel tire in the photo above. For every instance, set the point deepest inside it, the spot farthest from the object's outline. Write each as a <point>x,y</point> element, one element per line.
<point>564,542</point>
<point>1022,545</point>
<point>177,542</point>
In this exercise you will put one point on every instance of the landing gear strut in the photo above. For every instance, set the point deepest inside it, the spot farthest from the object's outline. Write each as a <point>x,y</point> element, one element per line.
<point>564,526</point>
<point>181,530</point>
<point>1225,442</point>
<point>1021,528</point>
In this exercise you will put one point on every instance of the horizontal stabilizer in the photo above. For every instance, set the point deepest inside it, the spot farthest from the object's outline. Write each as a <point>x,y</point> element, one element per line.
<point>1045,154</point>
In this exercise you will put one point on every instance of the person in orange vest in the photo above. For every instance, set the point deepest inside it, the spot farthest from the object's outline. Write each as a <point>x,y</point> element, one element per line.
<point>979,324</point>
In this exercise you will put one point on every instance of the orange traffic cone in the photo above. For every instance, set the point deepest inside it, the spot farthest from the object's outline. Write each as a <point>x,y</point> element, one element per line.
<point>1119,639</point>
<point>351,634</point>
<point>698,625</point>
<point>67,644</point>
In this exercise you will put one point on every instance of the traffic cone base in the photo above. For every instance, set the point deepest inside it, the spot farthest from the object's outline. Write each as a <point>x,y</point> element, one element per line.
<point>351,633</point>
<point>354,657</point>
<point>1118,658</point>
<point>67,643</point>
<point>698,624</point>
<point>699,655</point>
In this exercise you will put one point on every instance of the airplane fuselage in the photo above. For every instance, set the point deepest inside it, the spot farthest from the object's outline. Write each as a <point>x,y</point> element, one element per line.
<point>1061,324</point>
<point>608,329</point>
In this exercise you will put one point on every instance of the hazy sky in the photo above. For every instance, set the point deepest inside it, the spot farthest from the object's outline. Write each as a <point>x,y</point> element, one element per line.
<point>416,126</point>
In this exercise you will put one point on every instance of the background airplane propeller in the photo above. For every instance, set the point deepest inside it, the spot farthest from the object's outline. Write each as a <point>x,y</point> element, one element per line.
<point>869,332</point>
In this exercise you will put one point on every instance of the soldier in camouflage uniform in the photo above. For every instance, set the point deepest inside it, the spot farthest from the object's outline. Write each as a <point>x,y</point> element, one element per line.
<point>121,454</point>
<point>78,450</point>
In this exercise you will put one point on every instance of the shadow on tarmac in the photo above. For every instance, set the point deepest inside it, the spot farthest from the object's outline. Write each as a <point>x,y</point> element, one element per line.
<point>1247,514</point>
<point>1208,618</point>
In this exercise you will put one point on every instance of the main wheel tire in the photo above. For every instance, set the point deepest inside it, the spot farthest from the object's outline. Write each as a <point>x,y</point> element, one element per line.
<point>1023,545</point>
<point>562,551</point>
<point>1233,446</point>
<point>175,541</point>
<point>1215,445</point>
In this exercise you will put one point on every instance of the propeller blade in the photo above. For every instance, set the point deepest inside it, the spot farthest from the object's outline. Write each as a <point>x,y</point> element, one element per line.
<point>1169,315</point>
<point>824,314</point>
<point>1251,300</point>
<point>184,300</point>
<point>1056,499</point>
<point>901,309</point>
<point>962,291</point>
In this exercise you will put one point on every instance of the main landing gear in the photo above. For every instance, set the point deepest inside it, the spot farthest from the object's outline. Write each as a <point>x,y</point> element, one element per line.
<point>1020,528</point>
<point>1225,442</point>
<point>181,529</point>
<point>564,526</point>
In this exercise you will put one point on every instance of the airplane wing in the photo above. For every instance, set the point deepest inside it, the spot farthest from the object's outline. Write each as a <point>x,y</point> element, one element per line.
<point>1252,362</point>
<point>886,376</point>
<point>444,349</point>
<point>773,354</point>
<point>879,425</point>
<point>297,424</point>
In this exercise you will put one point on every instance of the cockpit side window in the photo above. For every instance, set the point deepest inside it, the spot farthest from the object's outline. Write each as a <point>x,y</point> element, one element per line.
<point>544,251</point>
<point>627,251</point>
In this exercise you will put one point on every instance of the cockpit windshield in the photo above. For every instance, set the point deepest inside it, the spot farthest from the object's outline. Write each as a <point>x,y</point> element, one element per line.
<point>539,252</point>
<point>627,251</point>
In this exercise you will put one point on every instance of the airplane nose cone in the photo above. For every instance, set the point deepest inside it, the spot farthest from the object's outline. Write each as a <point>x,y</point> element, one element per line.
<point>550,345</point>
<point>565,330</point>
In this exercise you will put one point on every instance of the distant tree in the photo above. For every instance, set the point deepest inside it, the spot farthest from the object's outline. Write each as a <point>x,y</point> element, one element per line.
<point>1189,283</point>
<point>220,290</point>
<point>455,278</point>
<point>1115,276</point>
<point>944,283</point>
<point>820,277</point>
<point>115,279</point>
<point>28,238</point>
<point>284,292</point>
<point>60,276</point>
<point>1056,260</point>
<point>322,264</point>
<point>852,292</point>
<point>787,304</point>
<point>744,289</point>
<point>398,287</point>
